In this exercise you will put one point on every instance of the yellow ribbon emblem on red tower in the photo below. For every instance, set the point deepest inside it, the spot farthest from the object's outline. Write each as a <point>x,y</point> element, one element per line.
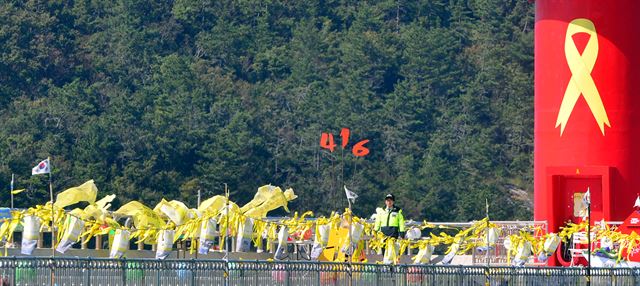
<point>581,81</point>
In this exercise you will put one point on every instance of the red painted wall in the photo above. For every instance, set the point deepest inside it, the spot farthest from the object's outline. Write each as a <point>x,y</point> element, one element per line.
<point>581,149</point>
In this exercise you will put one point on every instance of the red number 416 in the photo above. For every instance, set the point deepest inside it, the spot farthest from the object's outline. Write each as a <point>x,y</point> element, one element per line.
<point>358,150</point>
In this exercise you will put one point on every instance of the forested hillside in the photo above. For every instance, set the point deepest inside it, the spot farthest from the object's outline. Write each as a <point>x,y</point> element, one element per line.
<point>158,98</point>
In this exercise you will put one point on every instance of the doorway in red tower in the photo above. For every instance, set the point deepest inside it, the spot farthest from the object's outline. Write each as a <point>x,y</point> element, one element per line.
<point>572,190</point>
<point>568,186</point>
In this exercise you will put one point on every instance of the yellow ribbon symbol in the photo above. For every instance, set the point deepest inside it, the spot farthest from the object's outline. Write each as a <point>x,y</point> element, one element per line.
<point>581,81</point>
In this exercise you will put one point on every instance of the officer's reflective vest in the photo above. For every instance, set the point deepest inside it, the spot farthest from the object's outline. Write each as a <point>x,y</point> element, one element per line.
<point>390,221</point>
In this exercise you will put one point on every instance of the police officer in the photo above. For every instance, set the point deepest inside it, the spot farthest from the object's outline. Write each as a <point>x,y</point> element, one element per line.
<point>390,220</point>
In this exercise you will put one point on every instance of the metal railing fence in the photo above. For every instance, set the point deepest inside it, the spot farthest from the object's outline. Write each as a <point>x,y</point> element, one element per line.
<point>90,271</point>
<point>301,248</point>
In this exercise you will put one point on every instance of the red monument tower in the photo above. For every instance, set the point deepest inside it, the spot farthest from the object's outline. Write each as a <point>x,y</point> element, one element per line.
<point>587,108</point>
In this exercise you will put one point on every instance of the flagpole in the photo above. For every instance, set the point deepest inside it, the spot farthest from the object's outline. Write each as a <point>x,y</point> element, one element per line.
<point>589,238</point>
<point>486,212</point>
<point>226,234</point>
<point>486,202</point>
<point>53,231</point>
<point>12,177</point>
<point>226,242</point>
<point>197,241</point>
<point>351,250</point>
<point>53,212</point>
<point>350,226</point>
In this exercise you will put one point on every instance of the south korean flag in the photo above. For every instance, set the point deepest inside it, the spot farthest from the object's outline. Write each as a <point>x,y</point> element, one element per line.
<point>42,168</point>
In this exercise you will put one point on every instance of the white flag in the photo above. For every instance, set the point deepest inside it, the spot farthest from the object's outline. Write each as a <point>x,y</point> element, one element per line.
<point>350,195</point>
<point>637,204</point>
<point>42,168</point>
<point>586,199</point>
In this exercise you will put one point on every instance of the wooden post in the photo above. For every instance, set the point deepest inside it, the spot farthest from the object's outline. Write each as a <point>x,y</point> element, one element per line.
<point>98,242</point>
<point>40,240</point>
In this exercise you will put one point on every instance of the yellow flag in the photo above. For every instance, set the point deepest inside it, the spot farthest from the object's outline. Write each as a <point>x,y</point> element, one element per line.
<point>97,211</point>
<point>86,192</point>
<point>215,204</point>
<point>176,211</point>
<point>275,199</point>
<point>104,203</point>
<point>263,194</point>
<point>15,192</point>
<point>143,216</point>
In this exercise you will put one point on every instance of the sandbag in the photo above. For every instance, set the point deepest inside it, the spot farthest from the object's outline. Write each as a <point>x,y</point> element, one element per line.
<point>351,243</point>
<point>120,243</point>
<point>424,255</point>
<point>453,251</point>
<point>30,234</point>
<point>73,227</point>
<point>492,235</point>
<point>165,243</point>
<point>551,244</point>
<point>245,233</point>
<point>321,240</point>
<point>207,235</point>
<point>283,235</point>
<point>391,252</point>
<point>523,253</point>
<point>413,233</point>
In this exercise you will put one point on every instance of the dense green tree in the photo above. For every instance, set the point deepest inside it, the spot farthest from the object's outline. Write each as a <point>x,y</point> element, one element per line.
<point>158,99</point>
